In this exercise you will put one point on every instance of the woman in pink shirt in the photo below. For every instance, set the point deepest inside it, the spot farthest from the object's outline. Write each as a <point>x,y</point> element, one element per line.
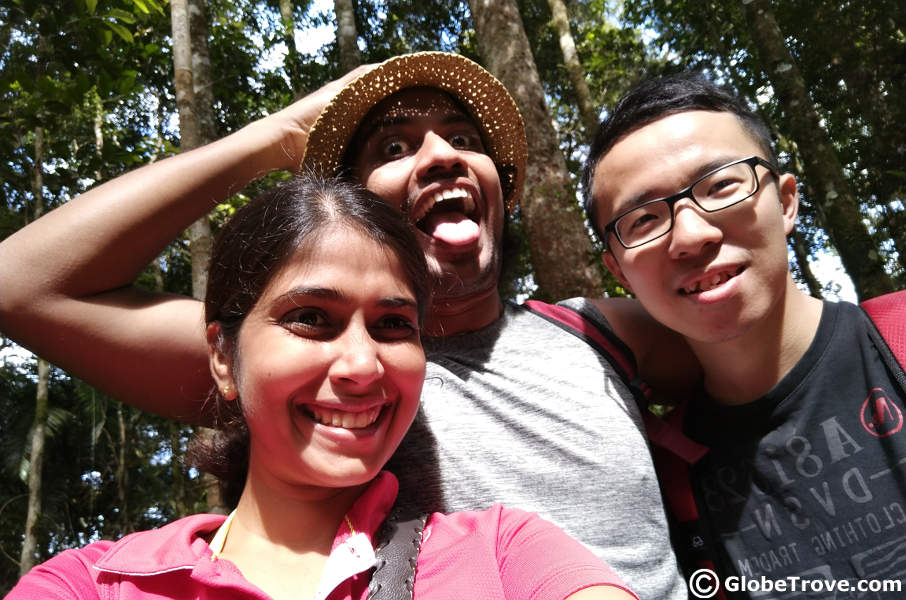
<point>315,296</point>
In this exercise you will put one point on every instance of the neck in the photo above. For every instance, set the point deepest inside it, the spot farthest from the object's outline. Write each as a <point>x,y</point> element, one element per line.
<point>290,521</point>
<point>743,369</point>
<point>449,316</point>
<point>280,538</point>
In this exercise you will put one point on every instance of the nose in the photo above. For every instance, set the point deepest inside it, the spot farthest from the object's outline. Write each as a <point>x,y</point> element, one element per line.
<point>692,231</point>
<point>357,362</point>
<point>437,157</point>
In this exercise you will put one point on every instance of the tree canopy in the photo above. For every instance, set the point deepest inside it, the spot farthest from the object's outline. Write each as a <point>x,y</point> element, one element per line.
<point>87,93</point>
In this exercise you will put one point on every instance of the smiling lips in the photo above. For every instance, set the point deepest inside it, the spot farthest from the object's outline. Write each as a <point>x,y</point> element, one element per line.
<point>710,282</point>
<point>448,216</point>
<point>340,418</point>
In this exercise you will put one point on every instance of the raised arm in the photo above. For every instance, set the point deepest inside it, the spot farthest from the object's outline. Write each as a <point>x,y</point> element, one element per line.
<point>66,279</point>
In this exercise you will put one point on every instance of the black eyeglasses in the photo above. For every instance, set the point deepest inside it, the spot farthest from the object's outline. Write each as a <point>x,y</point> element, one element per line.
<point>719,189</point>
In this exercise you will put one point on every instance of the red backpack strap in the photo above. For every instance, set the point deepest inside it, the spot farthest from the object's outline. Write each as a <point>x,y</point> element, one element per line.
<point>888,313</point>
<point>673,452</point>
<point>666,434</point>
<point>607,343</point>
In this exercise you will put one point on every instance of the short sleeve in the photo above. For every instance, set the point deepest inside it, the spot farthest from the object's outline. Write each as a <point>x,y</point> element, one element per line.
<point>503,554</point>
<point>67,576</point>
<point>538,560</point>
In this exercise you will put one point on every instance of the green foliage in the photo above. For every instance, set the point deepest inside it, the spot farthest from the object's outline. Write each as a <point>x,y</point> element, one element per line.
<point>85,443</point>
<point>108,63</point>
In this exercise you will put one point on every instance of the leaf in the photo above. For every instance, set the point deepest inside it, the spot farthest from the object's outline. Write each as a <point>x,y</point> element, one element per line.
<point>150,49</point>
<point>91,5</point>
<point>23,470</point>
<point>158,7</point>
<point>127,83</point>
<point>121,15</point>
<point>119,30</point>
<point>141,6</point>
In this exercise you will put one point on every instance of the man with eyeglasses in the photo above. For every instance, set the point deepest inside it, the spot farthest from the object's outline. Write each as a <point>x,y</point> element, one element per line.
<point>798,432</point>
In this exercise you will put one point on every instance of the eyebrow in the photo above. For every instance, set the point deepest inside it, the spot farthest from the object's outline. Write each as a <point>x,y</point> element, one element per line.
<point>377,124</point>
<point>650,196</point>
<point>334,295</point>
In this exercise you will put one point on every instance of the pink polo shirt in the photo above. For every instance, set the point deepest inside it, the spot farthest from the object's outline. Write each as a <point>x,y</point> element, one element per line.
<point>498,553</point>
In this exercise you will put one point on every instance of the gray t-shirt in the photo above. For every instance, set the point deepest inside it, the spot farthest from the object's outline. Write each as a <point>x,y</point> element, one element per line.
<point>525,414</point>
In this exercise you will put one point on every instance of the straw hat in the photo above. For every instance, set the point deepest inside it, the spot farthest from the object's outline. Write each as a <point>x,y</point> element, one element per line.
<point>483,96</point>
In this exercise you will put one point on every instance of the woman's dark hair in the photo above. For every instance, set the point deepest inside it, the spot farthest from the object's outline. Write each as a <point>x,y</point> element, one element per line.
<point>250,249</point>
<point>654,99</point>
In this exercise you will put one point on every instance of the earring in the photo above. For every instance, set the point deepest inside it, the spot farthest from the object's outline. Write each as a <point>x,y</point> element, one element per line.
<point>226,391</point>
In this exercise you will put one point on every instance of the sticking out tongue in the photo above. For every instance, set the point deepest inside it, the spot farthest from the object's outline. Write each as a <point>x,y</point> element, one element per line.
<point>453,228</point>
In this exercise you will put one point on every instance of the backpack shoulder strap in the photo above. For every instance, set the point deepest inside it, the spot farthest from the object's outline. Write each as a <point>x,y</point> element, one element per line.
<point>396,554</point>
<point>602,339</point>
<point>608,345</point>
<point>888,314</point>
<point>673,452</point>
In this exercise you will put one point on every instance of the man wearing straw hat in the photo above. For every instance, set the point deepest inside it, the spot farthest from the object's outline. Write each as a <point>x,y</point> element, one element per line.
<point>515,410</point>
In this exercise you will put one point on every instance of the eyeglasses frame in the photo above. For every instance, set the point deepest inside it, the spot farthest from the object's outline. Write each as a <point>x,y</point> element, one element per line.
<point>671,200</point>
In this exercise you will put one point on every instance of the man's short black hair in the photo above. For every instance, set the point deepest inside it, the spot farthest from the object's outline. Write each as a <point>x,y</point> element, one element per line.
<point>654,99</point>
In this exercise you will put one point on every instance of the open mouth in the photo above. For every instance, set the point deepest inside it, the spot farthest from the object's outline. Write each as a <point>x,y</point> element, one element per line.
<point>710,282</point>
<point>449,216</point>
<point>344,419</point>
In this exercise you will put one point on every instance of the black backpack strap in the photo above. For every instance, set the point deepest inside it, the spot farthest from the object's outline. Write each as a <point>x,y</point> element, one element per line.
<point>888,315</point>
<point>396,555</point>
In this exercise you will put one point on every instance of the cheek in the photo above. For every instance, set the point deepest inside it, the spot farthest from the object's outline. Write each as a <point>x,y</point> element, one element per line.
<point>407,364</point>
<point>641,268</point>
<point>387,181</point>
<point>275,371</point>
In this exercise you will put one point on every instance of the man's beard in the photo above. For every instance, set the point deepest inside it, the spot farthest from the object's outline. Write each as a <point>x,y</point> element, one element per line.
<point>449,287</point>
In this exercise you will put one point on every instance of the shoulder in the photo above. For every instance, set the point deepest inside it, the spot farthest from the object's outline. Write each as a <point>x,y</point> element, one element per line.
<point>69,574</point>
<point>510,531</point>
<point>526,555</point>
<point>77,573</point>
<point>173,546</point>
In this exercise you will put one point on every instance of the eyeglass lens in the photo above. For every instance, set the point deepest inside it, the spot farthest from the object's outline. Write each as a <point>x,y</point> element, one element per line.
<point>716,191</point>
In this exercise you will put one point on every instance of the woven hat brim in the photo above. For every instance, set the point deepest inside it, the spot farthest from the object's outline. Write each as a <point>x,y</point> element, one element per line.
<point>486,99</point>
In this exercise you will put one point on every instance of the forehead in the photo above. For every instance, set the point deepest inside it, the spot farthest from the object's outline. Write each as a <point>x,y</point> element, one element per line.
<point>341,255</point>
<point>665,155</point>
<point>413,105</point>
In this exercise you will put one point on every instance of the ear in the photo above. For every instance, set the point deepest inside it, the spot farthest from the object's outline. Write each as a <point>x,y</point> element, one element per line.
<point>789,200</point>
<point>610,261</point>
<point>221,362</point>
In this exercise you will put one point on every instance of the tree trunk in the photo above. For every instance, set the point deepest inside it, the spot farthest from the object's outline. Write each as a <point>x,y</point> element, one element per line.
<point>39,426</point>
<point>202,99</point>
<point>841,213</point>
<point>587,111</point>
<point>347,35</point>
<point>202,83</point>
<point>189,127</point>
<point>800,251</point>
<point>35,469</point>
<point>122,473</point>
<point>190,53</point>
<point>562,256</point>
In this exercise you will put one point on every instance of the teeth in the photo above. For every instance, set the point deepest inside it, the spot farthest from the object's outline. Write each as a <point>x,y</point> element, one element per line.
<point>346,420</point>
<point>708,284</point>
<point>457,193</point>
